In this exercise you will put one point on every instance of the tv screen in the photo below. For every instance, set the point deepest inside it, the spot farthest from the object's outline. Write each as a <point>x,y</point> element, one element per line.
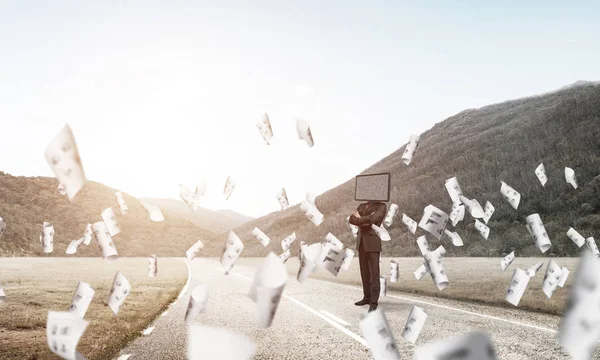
<point>372,187</point>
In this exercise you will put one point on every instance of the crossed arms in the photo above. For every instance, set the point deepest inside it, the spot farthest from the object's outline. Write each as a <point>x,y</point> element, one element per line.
<point>368,220</point>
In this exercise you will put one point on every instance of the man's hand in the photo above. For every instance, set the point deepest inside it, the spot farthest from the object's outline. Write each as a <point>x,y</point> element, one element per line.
<point>356,214</point>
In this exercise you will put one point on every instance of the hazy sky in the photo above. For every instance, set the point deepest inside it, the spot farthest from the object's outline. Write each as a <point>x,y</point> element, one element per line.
<point>160,93</point>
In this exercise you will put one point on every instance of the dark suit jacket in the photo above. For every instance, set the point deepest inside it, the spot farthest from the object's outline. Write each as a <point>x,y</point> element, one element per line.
<point>370,213</point>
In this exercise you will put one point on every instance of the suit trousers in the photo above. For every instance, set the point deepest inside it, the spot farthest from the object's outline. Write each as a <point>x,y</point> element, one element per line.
<point>369,274</point>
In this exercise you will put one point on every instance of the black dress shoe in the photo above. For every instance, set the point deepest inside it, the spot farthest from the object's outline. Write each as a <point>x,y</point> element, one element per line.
<point>362,302</point>
<point>372,307</point>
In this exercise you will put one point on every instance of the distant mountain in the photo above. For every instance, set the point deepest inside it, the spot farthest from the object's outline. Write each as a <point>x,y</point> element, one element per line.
<point>26,202</point>
<point>481,147</point>
<point>215,221</point>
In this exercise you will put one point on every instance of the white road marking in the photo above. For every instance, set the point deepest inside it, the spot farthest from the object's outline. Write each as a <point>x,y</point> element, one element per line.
<point>164,313</point>
<point>124,357</point>
<point>333,317</point>
<point>187,283</point>
<point>148,331</point>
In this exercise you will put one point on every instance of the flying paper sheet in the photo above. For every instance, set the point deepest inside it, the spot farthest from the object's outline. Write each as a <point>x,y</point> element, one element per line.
<point>394,271</point>
<point>423,244</point>
<point>88,234</point>
<point>382,286</point>
<point>440,251</point>
<point>410,149</point>
<point>109,218</point>
<point>154,211</point>
<point>223,344</point>
<point>576,237</point>
<point>121,202</point>
<point>2,226</point>
<point>282,198</point>
<point>457,213</point>
<point>304,132</point>
<point>288,241</point>
<point>389,217</point>
<point>265,129</point>
<point>197,303</point>
<point>63,157</point>
<point>148,330</point>
<point>262,238</point>
<point>311,212</point>
<point>47,237</point>
<point>308,262</point>
<point>2,295</point>
<point>378,335</point>
<point>434,266</point>
<point>570,177</point>
<point>552,278</point>
<point>192,252</point>
<point>472,346</point>
<point>334,241</point>
<point>410,223</point>
<point>349,255</point>
<point>516,287</point>
<point>333,259</point>
<point>533,269</point>
<point>81,299</point>
<point>381,232</point>
<point>453,189</point>
<point>63,331</point>
<point>507,260</point>
<point>284,256</point>
<point>232,250</point>
<point>190,199</point>
<point>536,227</point>
<point>433,221</point>
<point>119,291</point>
<point>420,272</point>
<point>456,239</point>
<point>511,195</point>
<point>104,241</point>
<point>61,189</point>
<point>302,247</point>
<point>353,228</point>
<point>579,331</point>
<point>473,207</point>
<point>591,243</point>
<point>563,277</point>
<point>311,198</point>
<point>540,172</point>
<point>74,245</point>
<point>152,266</point>
<point>488,211</point>
<point>267,289</point>
<point>229,186</point>
<point>483,230</point>
<point>414,324</point>
<point>200,188</point>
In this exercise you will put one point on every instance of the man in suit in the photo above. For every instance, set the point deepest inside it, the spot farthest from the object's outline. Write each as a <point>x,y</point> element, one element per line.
<point>369,249</point>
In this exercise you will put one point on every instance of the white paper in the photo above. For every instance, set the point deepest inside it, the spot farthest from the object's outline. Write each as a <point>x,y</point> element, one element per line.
<point>453,188</point>
<point>389,217</point>
<point>410,149</point>
<point>533,269</point>
<point>197,303</point>
<point>311,212</point>
<point>288,241</point>
<point>190,199</point>
<point>421,271</point>
<point>284,256</point>
<point>74,245</point>
<point>353,228</point>
<point>440,251</point>
<point>47,237</point>
<point>282,198</point>
<point>456,239</point>
<point>61,189</point>
<point>265,129</point>
<point>579,331</point>
<point>472,346</point>
<point>433,221</point>
<point>229,186</point>
<point>507,260</point>
<point>110,219</point>
<point>473,207</point>
<point>63,157</point>
<point>193,251</point>
<point>200,188</point>
<point>563,277</point>
<point>262,238</point>
<point>267,289</point>
<point>82,298</point>
<point>311,198</point>
<point>308,263</point>
<point>570,177</point>
<point>488,211</point>
<point>349,255</point>
<point>576,237</point>
<point>118,293</point>
<point>414,324</point>
<point>121,202</point>
<point>378,335</point>
<point>63,331</point>
<point>382,286</point>
<point>482,229</point>
<point>381,232</point>
<point>104,241</point>
<point>591,243</point>
<point>511,195</point>
<point>333,260</point>
<point>232,250</point>
<point>423,244</point>
<point>410,223</point>
<point>153,211</point>
<point>540,172</point>
<point>212,343</point>
<point>304,132</point>
<point>534,222</point>
<point>516,287</point>
<point>152,266</point>
<point>88,234</point>
<point>434,265</point>
<point>2,295</point>
<point>457,213</point>
<point>2,227</point>
<point>394,271</point>
<point>552,278</point>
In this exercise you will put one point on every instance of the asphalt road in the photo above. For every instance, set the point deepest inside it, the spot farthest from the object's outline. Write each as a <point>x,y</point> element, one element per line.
<point>304,329</point>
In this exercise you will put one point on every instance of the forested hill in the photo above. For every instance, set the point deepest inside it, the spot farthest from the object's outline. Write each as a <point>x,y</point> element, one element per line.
<point>481,147</point>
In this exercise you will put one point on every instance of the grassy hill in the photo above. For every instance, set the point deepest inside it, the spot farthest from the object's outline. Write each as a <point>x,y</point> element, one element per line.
<point>26,202</point>
<point>215,221</point>
<point>481,147</point>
